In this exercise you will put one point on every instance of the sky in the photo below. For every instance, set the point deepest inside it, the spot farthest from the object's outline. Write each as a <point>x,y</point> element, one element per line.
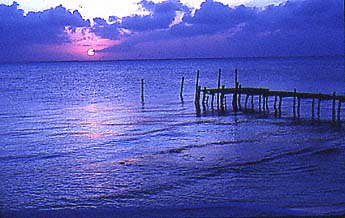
<point>67,30</point>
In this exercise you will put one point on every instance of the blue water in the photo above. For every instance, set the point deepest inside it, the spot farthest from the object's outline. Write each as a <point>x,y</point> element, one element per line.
<point>76,135</point>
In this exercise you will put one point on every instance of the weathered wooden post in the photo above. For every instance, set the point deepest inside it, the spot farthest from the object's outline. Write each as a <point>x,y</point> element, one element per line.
<point>259,102</point>
<point>299,107</point>
<point>142,90</point>
<point>234,96</point>
<point>318,108</point>
<point>294,103</point>
<point>266,97</point>
<point>181,90</point>
<point>252,102</point>
<point>245,103</point>
<point>275,106</point>
<point>333,108</point>
<point>222,98</point>
<point>239,97</point>
<point>204,98</point>
<point>219,74</point>
<point>263,104</point>
<point>196,88</point>
<point>339,108</point>
<point>197,99</point>
<point>212,101</point>
<point>280,106</point>
<point>313,109</point>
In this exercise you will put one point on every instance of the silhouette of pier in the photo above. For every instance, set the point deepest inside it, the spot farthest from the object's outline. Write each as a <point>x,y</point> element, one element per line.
<point>218,99</point>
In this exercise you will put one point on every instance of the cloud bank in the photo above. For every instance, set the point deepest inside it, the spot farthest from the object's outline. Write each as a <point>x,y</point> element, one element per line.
<point>170,29</point>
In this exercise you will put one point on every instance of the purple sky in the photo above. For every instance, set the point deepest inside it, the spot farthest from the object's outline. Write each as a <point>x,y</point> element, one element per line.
<point>170,29</point>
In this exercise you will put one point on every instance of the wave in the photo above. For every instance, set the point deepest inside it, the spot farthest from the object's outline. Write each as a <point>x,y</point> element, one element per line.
<point>328,151</point>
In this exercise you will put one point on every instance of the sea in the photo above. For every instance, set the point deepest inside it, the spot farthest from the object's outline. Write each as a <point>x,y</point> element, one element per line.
<point>78,135</point>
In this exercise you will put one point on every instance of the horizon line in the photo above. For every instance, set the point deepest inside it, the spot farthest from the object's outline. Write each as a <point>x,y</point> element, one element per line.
<point>171,59</point>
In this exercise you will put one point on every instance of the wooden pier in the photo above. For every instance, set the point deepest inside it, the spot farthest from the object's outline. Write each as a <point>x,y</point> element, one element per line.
<point>263,94</point>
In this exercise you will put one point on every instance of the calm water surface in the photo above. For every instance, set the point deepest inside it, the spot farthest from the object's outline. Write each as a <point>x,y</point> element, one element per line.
<point>77,135</point>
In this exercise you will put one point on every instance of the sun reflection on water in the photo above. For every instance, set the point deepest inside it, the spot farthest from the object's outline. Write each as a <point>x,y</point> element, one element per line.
<point>95,121</point>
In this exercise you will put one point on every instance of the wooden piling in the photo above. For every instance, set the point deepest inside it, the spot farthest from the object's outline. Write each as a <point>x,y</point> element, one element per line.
<point>239,97</point>
<point>245,103</point>
<point>339,109</point>
<point>294,104</point>
<point>212,101</point>
<point>196,87</point>
<point>280,106</point>
<point>252,102</point>
<point>267,108</point>
<point>263,104</point>
<point>318,109</point>
<point>299,107</point>
<point>219,74</point>
<point>222,97</point>
<point>181,90</point>
<point>259,103</point>
<point>275,106</point>
<point>234,96</point>
<point>313,109</point>
<point>204,97</point>
<point>333,108</point>
<point>142,90</point>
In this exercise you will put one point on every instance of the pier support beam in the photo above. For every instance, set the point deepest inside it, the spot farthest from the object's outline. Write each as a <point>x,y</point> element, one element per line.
<point>239,98</point>
<point>222,99</point>
<point>333,108</point>
<point>275,106</point>
<point>246,102</point>
<point>313,109</point>
<point>318,109</point>
<point>339,108</point>
<point>299,107</point>
<point>294,104</point>
<point>252,103</point>
<point>212,101</point>
<point>234,96</point>
<point>280,106</point>
<point>219,74</point>
<point>266,100</point>
<point>204,98</point>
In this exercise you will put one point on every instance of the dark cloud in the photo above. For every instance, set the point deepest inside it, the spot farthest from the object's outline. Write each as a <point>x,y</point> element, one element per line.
<point>161,15</point>
<point>37,27</point>
<point>305,27</point>
<point>105,30</point>
<point>309,27</point>
<point>19,32</point>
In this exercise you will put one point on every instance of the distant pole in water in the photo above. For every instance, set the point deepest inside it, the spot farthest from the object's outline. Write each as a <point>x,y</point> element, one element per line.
<point>142,90</point>
<point>197,88</point>
<point>181,90</point>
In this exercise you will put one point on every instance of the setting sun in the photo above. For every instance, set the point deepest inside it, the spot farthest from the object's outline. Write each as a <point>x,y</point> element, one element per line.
<point>91,52</point>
